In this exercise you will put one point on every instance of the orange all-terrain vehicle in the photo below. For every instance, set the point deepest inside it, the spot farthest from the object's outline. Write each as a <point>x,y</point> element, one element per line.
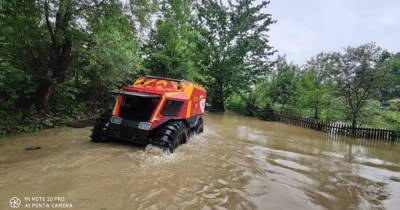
<point>156,110</point>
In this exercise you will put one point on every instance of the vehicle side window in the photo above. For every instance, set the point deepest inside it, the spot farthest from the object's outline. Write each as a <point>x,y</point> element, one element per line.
<point>171,108</point>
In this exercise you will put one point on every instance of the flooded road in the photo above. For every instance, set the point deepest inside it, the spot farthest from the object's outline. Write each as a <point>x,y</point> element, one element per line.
<point>238,163</point>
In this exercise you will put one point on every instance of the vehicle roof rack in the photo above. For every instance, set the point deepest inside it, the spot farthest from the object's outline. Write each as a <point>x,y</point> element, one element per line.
<point>122,92</point>
<point>163,78</point>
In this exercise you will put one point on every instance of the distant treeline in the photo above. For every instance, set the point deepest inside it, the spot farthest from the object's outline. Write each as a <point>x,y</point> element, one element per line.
<point>360,86</point>
<point>58,58</point>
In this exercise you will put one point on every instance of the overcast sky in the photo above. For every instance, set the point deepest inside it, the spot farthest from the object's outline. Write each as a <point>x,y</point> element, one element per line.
<point>306,27</point>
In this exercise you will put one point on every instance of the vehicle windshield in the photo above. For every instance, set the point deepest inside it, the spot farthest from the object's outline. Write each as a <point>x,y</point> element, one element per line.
<point>138,108</point>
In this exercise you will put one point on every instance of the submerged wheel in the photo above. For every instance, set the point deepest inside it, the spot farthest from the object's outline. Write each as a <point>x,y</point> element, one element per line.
<point>100,129</point>
<point>170,135</point>
<point>200,126</point>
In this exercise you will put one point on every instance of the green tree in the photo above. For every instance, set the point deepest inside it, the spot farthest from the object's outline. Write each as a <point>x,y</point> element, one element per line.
<point>59,57</point>
<point>20,43</point>
<point>173,48</point>
<point>111,55</point>
<point>283,83</point>
<point>314,90</point>
<point>48,36</point>
<point>358,77</point>
<point>391,87</point>
<point>237,46</point>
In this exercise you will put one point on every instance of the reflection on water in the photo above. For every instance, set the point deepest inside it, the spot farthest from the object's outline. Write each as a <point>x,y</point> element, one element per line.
<point>238,163</point>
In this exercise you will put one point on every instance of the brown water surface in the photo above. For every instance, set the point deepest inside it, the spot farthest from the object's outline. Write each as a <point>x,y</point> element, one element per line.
<point>238,163</point>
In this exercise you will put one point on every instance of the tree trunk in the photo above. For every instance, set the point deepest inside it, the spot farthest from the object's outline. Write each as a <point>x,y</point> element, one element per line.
<point>353,123</point>
<point>60,58</point>
<point>218,105</point>
<point>328,107</point>
<point>218,98</point>
<point>316,111</point>
<point>60,55</point>
<point>44,91</point>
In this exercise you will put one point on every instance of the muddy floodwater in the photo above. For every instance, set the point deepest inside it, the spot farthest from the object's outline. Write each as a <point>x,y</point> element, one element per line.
<point>237,163</point>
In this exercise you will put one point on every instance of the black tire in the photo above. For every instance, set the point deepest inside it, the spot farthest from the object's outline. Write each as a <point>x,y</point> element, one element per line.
<point>170,135</point>
<point>99,134</point>
<point>200,126</point>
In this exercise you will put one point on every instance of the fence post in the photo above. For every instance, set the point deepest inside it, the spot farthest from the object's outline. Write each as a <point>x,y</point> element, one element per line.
<point>393,135</point>
<point>379,134</point>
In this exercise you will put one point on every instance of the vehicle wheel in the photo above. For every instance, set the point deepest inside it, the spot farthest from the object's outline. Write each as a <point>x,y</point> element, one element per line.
<point>99,134</point>
<point>200,126</point>
<point>170,135</point>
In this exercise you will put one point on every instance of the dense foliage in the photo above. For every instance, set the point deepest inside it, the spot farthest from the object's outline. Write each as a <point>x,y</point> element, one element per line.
<point>58,58</point>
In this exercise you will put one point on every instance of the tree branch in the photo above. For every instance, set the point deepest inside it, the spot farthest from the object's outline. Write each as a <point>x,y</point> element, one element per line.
<point>46,12</point>
<point>86,7</point>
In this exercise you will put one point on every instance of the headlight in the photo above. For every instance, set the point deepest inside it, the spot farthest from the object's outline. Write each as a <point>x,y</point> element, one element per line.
<point>144,125</point>
<point>116,120</point>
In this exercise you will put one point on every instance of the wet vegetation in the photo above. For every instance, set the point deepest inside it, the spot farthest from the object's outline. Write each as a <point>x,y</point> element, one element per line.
<point>58,58</point>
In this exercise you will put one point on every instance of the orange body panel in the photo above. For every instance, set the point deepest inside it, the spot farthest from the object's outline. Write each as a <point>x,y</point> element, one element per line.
<point>193,97</point>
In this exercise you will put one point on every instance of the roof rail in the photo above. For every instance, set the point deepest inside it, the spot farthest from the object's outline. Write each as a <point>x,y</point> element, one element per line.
<point>164,78</point>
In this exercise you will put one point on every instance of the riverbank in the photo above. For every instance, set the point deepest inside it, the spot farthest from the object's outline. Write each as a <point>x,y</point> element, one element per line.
<point>32,122</point>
